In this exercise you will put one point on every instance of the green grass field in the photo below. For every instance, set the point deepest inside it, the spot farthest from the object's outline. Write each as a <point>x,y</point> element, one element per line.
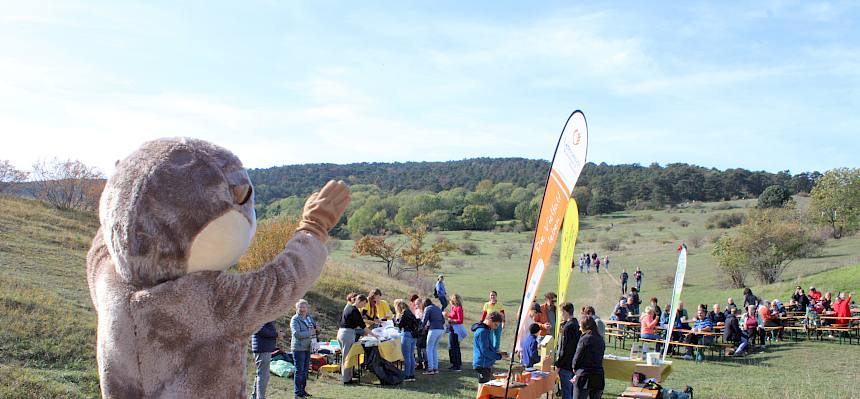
<point>47,325</point>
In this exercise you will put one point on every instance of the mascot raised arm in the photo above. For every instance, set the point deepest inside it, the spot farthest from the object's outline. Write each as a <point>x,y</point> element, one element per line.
<point>171,322</point>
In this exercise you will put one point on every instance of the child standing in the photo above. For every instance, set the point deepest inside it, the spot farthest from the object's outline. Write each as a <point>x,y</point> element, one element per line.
<point>493,305</point>
<point>530,347</point>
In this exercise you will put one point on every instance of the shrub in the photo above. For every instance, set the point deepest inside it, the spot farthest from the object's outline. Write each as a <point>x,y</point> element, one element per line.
<point>773,197</point>
<point>458,263</point>
<point>683,223</point>
<point>725,220</point>
<point>612,244</point>
<point>661,228</point>
<point>696,241</point>
<point>507,251</point>
<point>469,248</point>
<point>675,218</point>
<point>467,235</point>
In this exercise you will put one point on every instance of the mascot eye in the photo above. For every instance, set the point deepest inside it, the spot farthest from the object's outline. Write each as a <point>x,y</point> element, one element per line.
<point>242,193</point>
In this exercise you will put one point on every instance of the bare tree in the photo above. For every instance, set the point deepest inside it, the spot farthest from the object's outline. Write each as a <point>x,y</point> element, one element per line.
<point>68,184</point>
<point>9,175</point>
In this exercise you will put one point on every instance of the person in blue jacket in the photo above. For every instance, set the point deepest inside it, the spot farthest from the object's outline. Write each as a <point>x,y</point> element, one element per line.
<point>530,346</point>
<point>484,355</point>
<point>263,343</point>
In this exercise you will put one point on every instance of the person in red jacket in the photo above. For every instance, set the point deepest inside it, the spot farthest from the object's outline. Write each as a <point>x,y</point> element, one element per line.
<point>814,295</point>
<point>843,308</point>
<point>456,332</point>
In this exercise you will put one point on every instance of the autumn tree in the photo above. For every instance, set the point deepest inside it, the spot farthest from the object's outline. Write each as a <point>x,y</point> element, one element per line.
<point>836,201</point>
<point>68,184</point>
<point>377,247</point>
<point>765,245</point>
<point>731,260</point>
<point>9,175</point>
<point>269,240</point>
<point>416,256</point>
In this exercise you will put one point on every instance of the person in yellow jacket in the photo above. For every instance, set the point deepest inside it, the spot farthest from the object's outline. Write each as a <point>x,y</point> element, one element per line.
<point>376,308</point>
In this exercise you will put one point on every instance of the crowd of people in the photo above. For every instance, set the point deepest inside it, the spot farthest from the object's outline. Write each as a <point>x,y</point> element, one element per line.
<point>587,260</point>
<point>423,321</point>
<point>744,325</point>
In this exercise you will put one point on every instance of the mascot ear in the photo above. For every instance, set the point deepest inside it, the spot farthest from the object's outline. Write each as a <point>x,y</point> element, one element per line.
<point>241,193</point>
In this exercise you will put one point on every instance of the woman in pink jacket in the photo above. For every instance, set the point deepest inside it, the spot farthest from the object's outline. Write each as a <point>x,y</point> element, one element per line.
<point>648,324</point>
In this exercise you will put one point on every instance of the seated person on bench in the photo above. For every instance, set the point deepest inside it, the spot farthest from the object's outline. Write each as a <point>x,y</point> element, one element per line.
<point>702,324</point>
<point>734,333</point>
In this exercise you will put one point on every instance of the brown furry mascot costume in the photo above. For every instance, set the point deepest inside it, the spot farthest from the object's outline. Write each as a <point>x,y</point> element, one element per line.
<point>171,322</point>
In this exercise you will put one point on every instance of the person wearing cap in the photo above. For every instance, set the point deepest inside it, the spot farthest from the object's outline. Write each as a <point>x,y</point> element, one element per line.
<point>814,294</point>
<point>620,311</point>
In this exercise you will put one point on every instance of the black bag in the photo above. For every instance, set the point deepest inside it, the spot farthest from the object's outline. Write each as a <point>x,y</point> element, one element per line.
<point>435,293</point>
<point>386,371</point>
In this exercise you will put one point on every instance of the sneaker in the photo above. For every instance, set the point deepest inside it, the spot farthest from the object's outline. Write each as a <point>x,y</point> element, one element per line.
<point>457,369</point>
<point>307,395</point>
<point>435,371</point>
<point>409,379</point>
<point>428,372</point>
<point>687,357</point>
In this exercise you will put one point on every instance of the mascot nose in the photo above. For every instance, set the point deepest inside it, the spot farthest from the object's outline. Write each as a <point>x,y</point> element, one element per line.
<point>241,193</point>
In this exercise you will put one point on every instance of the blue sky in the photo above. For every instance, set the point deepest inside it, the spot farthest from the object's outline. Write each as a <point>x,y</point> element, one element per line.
<point>765,85</point>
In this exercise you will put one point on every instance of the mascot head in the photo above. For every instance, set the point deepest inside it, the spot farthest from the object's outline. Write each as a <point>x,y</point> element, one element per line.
<point>176,206</point>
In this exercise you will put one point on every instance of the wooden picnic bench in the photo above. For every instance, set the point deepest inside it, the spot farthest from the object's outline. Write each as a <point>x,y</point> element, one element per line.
<point>676,344</point>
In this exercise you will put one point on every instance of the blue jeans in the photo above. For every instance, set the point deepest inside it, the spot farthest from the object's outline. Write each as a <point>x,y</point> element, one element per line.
<point>564,377</point>
<point>432,353</point>
<point>743,345</point>
<point>303,363</point>
<point>639,285</point>
<point>262,361</point>
<point>407,345</point>
<point>496,337</point>
<point>655,337</point>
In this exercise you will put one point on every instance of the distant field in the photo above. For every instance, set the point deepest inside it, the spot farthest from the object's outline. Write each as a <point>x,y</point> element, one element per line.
<point>47,326</point>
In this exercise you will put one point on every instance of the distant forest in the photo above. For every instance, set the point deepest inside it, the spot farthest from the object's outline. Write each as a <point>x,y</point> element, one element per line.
<point>476,193</point>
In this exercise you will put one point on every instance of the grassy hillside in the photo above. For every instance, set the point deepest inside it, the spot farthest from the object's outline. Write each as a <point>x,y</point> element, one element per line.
<point>47,338</point>
<point>47,326</point>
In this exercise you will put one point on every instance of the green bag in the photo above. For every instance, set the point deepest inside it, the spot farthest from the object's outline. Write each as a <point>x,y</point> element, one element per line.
<point>282,368</point>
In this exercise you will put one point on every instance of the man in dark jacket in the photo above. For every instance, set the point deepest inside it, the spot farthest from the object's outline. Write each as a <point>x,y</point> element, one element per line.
<point>733,332</point>
<point>588,362</point>
<point>569,338</point>
<point>483,352</point>
<point>263,344</point>
<point>624,277</point>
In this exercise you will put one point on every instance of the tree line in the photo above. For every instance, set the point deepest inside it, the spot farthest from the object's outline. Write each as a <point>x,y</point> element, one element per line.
<point>474,194</point>
<point>622,186</point>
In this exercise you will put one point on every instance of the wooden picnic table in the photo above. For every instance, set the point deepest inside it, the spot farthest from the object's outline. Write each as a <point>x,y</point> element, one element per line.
<point>535,387</point>
<point>626,324</point>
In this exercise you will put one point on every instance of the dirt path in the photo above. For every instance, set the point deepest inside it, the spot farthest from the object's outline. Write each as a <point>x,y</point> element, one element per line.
<point>600,290</point>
